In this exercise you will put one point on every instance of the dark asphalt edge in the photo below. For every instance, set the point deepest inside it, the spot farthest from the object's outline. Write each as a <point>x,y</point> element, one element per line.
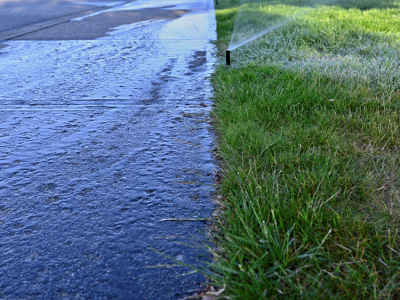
<point>17,32</point>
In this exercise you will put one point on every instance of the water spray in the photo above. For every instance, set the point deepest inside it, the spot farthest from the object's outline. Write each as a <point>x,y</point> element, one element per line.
<point>250,25</point>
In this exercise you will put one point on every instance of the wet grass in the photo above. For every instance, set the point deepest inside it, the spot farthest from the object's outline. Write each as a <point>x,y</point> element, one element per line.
<point>308,127</point>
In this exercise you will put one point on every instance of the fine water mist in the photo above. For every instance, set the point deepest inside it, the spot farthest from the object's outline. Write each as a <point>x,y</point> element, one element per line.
<point>259,17</point>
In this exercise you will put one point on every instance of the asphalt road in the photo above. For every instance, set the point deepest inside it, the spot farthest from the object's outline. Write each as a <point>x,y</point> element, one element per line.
<point>104,133</point>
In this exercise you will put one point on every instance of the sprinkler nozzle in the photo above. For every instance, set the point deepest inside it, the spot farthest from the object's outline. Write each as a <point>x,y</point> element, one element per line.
<point>228,57</point>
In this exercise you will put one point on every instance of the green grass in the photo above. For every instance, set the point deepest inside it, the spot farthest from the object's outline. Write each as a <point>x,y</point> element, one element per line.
<point>308,128</point>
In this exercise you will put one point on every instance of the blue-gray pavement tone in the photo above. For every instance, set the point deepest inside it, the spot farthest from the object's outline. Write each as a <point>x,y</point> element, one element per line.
<point>100,140</point>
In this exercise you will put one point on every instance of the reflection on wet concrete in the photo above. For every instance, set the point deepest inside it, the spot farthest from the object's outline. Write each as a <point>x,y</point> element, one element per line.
<point>100,140</point>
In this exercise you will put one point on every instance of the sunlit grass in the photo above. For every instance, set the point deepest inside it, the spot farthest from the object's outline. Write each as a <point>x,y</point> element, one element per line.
<point>362,45</point>
<point>308,122</point>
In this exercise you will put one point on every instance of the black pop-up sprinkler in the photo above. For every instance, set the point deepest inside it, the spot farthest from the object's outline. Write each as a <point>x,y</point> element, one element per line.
<point>228,57</point>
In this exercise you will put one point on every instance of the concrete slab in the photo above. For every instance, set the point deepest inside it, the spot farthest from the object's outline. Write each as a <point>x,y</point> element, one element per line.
<point>101,141</point>
<point>98,25</point>
<point>15,13</point>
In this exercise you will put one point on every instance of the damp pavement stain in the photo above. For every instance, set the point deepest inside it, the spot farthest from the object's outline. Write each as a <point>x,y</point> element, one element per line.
<point>101,140</point>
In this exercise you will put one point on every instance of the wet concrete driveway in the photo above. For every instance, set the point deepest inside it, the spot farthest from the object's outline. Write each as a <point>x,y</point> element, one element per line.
<point>103,134</point>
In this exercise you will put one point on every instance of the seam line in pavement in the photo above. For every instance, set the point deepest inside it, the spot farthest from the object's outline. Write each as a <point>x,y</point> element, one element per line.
<point>17,32</point>
<point>100,99</point>
<point>97,40</point>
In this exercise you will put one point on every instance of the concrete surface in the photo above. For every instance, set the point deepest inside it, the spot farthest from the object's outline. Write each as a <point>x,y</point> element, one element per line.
<point>100,140</point>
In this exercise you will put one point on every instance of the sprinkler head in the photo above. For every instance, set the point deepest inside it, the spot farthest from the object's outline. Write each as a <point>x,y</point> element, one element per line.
<point>228,57</point>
